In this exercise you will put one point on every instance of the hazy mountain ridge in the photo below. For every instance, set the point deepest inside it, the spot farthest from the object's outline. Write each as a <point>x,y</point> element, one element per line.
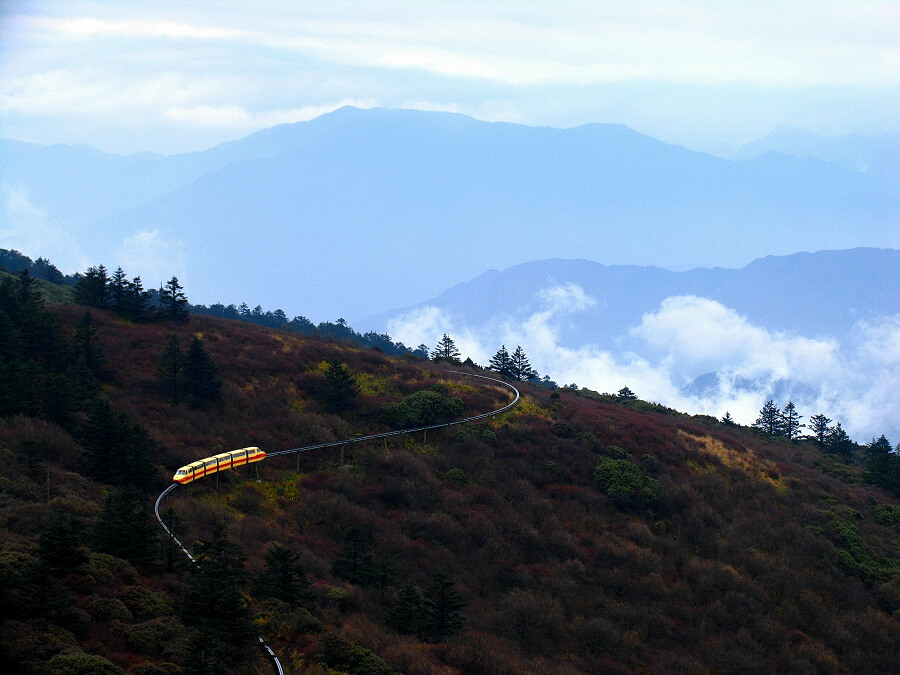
<point>364,210</point>
<point>820,294</point>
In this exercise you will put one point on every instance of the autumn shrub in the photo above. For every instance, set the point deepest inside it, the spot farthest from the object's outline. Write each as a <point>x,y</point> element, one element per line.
<point>887,514</point>
<point>108,609</point>
<point>79,663</point>
<point>533,619</point>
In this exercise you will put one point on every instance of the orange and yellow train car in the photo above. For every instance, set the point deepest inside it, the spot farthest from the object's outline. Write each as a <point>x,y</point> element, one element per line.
<point>208,465</point>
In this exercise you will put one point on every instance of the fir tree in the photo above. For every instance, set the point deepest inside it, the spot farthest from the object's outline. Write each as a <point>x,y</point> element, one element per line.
<point>354,563</point>
<point>92,288</point>
<point>283,578</point>
<point>200,381</point>
<point>138,300</point>
<point>625,394</point>
<point>445,350</point>
<point>769,419</point>
<point>59,545</point>
<point>339,388</point>
<point>173,302</point>
<point>790,422</point>
<point>838,441</point>
<point>169,371</point>
<point>818,426</point>
<point>520,367</point>
<point>728,420</point>
<point>87,346</point>
<point>500,363</point>
<point>118,291</point>
<point>443,610</point>
<point>214,606</point>
<point>124,528</point>
<point>407,614</point>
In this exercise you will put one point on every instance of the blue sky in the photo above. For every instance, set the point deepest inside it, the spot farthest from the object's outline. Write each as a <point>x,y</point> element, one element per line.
<point>182,76</point>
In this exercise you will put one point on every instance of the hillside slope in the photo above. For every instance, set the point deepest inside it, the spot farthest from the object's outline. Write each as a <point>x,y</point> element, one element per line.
<point>574,534</point>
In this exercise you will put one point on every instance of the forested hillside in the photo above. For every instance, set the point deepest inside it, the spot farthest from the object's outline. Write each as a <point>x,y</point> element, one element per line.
<point>577,533</point>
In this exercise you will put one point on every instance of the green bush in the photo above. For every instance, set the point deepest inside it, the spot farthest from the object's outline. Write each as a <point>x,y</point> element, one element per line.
<point>624,482</point>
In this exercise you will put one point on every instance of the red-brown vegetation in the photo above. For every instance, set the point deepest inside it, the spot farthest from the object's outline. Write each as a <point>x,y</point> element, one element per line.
<point>750,559</point>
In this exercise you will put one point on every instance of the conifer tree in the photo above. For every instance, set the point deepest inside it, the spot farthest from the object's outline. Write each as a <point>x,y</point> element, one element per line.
<point>339,388</point>
<point>214,606</point>
<point>137,301</point>
<point>407,614</point>
<point>445,350</point>
<point>92,288</point>
<point>173,302</point>
<point>520,367</point>
<point>728,420</point>
<point>625,394</point>
<point>443,609</point>
<point>790,422</point>
<point>200,381</point>
<point>86,344</point>
<point>839,441</point>
<point>123,528</point>
<point>500,362</point>
<point>283,577</point>
<point>769,419</point>
<point>169,371</point>
<point>118,291</point>
<point>354,563</point>
<point>818,426</point>
<point>59,545</point>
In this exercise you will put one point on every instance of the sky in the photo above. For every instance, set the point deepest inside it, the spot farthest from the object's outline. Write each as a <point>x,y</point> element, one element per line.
<point>169,77</point>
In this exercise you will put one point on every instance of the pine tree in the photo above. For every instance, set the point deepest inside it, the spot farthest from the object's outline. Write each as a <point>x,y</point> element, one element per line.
<point>818,426</point>
<point>445,350</point>
<point>339,388</point>
<point>137,301</point>
<point>118,291</point>
<point>625,394</point>
<point>769,419</point>
<point>500,363</point>
<point>838,441</point>
<point>520,367</point>
<point>200,381</point>
<point>92,288</point>
<point>170,369</point>
<point>283,577</point>
<point>790,422</point>
<point>214,606</point>
<point>407,614</point>
<point>173,302</point>
<point>86,344</point>
<point>123,528</point>
<point>59,545</point>
<point>728,420</point>
<point>354,563</point>
<point>443,610</point>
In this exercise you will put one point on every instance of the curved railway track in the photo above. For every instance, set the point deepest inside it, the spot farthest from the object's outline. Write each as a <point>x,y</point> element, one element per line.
<point>348,441</point>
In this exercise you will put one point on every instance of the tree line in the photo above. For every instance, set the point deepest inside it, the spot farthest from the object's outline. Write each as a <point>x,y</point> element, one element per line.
<point>881,459</point>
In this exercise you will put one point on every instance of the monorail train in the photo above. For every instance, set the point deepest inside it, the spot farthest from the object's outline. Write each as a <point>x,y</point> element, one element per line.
<point>208,465</point>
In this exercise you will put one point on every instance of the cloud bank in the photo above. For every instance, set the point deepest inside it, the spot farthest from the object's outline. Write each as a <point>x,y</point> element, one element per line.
<point>698,356</point>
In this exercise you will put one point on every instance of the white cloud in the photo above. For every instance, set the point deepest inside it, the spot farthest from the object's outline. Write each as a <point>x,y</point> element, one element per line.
<point>27,228</point>
<point>156,260</point>
<point>235,117</point>
<point>854,382</point>
<point>651,65</point>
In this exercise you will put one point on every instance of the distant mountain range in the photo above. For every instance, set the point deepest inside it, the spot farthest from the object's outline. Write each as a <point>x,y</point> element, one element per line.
<point>360,211</point>
<point>816,295</point>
